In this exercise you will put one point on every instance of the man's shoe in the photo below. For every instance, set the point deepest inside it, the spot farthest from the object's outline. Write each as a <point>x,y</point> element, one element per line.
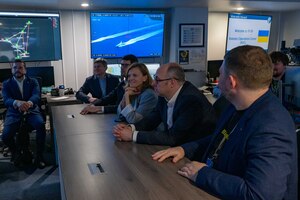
<point>16,158</point>
<point>40,163</point>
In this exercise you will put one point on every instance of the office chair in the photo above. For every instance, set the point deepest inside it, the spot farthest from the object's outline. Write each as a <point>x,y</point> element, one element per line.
<point>23,135</point>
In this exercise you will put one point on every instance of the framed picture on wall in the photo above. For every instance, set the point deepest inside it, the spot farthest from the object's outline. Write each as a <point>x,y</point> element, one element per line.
<point>191,35</point>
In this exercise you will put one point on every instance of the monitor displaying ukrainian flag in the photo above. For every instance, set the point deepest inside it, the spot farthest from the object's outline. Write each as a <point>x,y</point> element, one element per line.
<point>248,29</point>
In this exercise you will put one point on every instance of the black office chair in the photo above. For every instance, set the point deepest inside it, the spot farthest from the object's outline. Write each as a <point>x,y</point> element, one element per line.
<point>23,135</point>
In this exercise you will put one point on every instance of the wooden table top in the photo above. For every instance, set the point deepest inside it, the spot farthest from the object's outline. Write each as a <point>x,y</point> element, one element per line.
<point>129,171</point>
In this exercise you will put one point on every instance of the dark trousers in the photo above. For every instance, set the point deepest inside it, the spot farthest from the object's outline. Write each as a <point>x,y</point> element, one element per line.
<point>36,122</point>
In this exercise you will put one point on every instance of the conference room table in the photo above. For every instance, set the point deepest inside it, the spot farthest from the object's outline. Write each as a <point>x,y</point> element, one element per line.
<point>94,165</point>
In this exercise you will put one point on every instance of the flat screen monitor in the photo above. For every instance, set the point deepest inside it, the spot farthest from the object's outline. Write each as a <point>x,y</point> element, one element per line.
<point>292,86</point>
<point>29,36</point>
<point>248,29</point>
<point>114,69</point>
<point>213,67</point>
<point>5,74</point>
<point>45,73</point>
<point>114,35</point>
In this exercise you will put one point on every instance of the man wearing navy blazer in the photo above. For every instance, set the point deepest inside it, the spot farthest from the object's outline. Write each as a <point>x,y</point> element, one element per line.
<point>21,96</point>
<point>98,85</point>
<point>110,102</point>
<point>253,151</point>
<point>183,110</point>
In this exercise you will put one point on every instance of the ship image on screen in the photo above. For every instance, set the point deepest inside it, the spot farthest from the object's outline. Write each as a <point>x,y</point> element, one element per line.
<point>114,35</point>
<point>248,29</point>
<point>29,37</point>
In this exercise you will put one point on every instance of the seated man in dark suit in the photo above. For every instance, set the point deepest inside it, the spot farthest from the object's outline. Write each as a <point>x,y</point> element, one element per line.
<point>98,85</point>
<point>110,102</point>
<point>253,151</point>
<point>21,96</point>
<point>184,111</point>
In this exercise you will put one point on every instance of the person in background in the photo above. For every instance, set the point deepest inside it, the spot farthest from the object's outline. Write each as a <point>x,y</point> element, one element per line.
<point>110,102</point>
<point>280,61</point>
<point>184,111</point>
<point>21,96</point>
<point>253,151</point>
<point>98,85</point>
<point>139,98</point>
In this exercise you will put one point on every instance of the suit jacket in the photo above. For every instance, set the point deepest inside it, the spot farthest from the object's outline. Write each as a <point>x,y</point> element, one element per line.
<point>193,118</point>
<point>11,92</point>
<point>143,104</point>
<point>259,160</point>
<point>112,100</point>
<point>91,85</point>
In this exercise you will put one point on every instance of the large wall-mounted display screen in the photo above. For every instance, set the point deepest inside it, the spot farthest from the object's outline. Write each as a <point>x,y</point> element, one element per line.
<point>114,35</point>
<point>246,29</point>
<point>29,36</point>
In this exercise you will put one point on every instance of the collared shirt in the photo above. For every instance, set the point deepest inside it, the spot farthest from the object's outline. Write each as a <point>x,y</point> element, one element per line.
<point>170,105</point>
<point>102,83</point>
<point>20,84</point>
<point>17,103</point>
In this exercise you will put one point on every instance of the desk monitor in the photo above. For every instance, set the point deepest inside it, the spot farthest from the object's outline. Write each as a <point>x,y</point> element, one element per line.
<point>152,67</point>
<point>213,68</point>
<point>292,86</point>
<point>114,69</point>
<point>5,74</point>
<point>45,73</point>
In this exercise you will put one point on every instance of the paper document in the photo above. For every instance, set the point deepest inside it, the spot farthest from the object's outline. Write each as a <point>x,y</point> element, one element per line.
<point>59,98</point>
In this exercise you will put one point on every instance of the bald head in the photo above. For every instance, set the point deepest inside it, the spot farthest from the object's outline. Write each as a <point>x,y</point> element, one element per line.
<point>169,78</point>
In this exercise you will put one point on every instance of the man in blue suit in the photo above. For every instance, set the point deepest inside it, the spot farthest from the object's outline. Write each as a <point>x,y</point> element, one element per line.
<point>21,96</point>
<point>253,151</point>
<point>183,110</point>
<point>110,102</point>
<point>98,85</point>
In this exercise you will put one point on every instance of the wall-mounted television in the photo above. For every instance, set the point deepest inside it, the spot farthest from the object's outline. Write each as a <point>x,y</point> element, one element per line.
<point>29,36</point>
<point>248,29</point>
<point>116,34</point>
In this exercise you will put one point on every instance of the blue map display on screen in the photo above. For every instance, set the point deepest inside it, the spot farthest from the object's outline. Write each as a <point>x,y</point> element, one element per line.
<point>114,35</point>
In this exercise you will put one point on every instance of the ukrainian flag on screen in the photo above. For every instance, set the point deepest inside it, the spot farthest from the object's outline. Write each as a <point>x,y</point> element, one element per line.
<point>263,36</point>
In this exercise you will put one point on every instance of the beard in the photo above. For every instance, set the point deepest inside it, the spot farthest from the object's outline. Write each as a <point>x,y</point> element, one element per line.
<point>18,74</point>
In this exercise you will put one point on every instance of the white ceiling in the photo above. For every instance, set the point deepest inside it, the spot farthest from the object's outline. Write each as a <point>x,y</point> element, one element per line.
<point>213,5</point>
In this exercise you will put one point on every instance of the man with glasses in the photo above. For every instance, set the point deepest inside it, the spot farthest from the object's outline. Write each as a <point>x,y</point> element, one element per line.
<point>184,111</point>
<point>253,151</point>
<point>21,96</point>
<point>110,102</point>
<point>98,85</point>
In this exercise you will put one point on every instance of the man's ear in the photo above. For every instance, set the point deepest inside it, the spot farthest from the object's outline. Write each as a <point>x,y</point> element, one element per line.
<point>233,81</point>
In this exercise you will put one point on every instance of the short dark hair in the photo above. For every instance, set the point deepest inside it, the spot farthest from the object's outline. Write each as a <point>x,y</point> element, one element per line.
<point>132,58</point>
<point>20,61</point>
<point>277,56</point>
<point>251,65</point>
<point>101,61</point>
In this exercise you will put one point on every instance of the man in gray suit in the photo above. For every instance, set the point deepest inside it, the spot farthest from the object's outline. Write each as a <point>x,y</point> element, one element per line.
<point>183,110</point>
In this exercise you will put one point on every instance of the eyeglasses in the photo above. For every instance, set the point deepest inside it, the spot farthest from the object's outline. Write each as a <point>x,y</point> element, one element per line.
<point>160,80</point>
<point>124,64</point>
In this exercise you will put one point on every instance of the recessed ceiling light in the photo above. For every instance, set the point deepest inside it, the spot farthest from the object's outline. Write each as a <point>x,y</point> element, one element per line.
<point>240,8</point>
<point>85,5</point>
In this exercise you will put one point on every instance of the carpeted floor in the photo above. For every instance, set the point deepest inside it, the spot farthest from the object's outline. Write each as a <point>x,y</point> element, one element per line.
<point>29,182</point>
